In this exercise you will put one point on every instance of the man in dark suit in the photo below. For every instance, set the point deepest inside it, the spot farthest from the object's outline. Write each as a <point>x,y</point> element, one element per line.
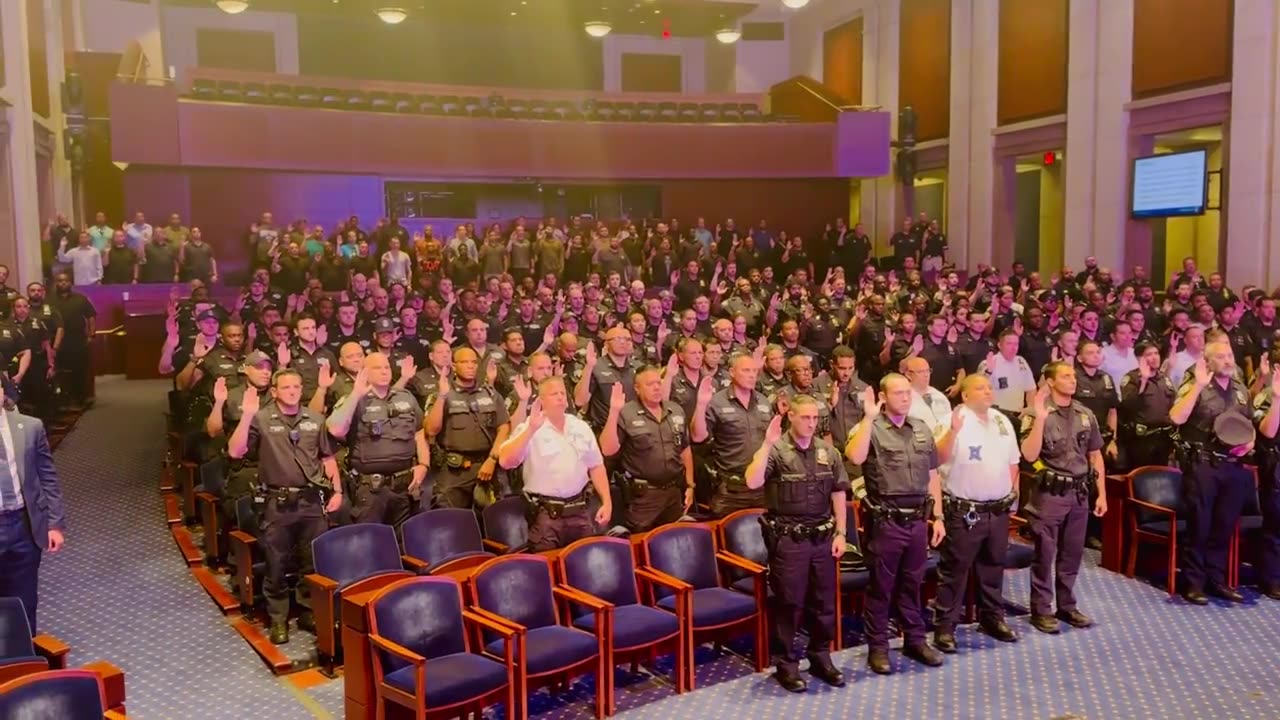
<point>31,518</point>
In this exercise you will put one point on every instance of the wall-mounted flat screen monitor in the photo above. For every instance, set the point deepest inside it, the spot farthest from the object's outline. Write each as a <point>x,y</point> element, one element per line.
<point>1170,185</point>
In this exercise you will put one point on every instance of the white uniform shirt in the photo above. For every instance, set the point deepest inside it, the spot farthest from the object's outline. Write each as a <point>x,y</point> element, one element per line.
<point>1179,364</point>
<point>556,463</point>
<point>1117,363</point>
<point>1011,380</point>
<point>981,456</point>
<point>932,408</point>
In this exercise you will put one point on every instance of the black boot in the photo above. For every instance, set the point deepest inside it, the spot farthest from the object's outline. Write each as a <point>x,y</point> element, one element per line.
<point>945,640</point>
<point>788,676</point>
<point>999,630</point>
<point>279,632</point>
<point>821,667</point>
<point>923,654</point>
<point>307,621</point>
<point>878,661</point>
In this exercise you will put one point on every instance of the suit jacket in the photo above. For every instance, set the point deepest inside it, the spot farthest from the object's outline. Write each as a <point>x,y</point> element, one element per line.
<point>37,476</point>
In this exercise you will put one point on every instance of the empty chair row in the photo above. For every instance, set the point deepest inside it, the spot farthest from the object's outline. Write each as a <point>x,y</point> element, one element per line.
<point>493,106</point>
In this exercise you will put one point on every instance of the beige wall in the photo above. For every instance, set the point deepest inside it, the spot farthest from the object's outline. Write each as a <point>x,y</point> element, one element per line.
<point>1052,219</point>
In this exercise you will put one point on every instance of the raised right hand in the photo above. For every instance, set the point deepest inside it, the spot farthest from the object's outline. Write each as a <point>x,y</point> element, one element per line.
<point>249,405</point>
<point>1041,406</point>
<point>870,403</point>
<point>705,390</point>
<point>1203,376</point>
<point>617,397</point>
<point>443,385</point>
<point>220,390</point>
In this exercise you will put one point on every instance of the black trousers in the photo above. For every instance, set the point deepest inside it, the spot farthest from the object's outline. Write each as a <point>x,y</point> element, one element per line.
<point>802,576</point>
<point>37,391</point>
<point>287,532</point>
<point>1214,496</point>
<point>981,549</point>
<point>19,562</point>
<point>73,372</point>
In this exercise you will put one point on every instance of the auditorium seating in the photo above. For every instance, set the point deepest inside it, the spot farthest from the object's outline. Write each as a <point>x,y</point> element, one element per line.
<point>1155,501</point>
<point>223,86</point>
<point>443,540</point>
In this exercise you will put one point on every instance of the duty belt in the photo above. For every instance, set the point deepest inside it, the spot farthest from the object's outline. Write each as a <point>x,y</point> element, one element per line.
<point>728,478</point>
<point>971,511</point>
<point>639,485</point>
<point>1192,452</point>
<point>235,465</point>
<point>798,530</point>
<point>890,513</point>
<point>1145,430</point>
<point>554,506</point>
<point>398,482</point>
<point>464,461</point>
<point>1056,483</point>
<point>292,494</point>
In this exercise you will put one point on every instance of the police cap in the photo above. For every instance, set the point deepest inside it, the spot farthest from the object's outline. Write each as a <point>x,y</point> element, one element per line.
<point>384,324</point>
<point>208,314</point>
<point>257,357</point>
<point>1233,430</point>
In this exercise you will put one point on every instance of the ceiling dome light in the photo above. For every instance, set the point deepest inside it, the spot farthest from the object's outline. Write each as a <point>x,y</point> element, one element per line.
<point>232,7</point>
<point>795,4</point>
<point>728,36</point>
<point>392,15</point>
<point>598,28</point>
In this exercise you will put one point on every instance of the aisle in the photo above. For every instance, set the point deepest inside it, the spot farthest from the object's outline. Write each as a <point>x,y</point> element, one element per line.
<point>120,591</point>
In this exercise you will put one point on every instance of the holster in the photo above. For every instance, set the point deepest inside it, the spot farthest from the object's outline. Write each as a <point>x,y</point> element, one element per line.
<point>1059,484</point>
<point>396,482</point>
<point>554,507</point>
<point>902,516</point>
<point>971,510</point>
<point>798,531</point>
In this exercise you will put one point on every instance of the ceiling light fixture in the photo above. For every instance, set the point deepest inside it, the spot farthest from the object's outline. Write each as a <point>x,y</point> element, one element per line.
<point>392,15</point>
<point>232,7</point>
<point>598,28</point>
<point>728,36</point>
<point>795,4</point>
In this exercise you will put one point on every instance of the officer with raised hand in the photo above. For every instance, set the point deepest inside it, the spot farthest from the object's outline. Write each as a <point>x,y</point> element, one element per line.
<point>1266,413</point>
<point>805,488</point>
<point>1146,396</point>
<point>242,473</point>
<point>651,438</point>
<point>469,421</point>
<point>387,455</point>
<point>300,480</point>
<point>903,513</point>
<point>1062,440</point>
<point>735,419</point>
<point>1215,483</point>
<point>980,457</point>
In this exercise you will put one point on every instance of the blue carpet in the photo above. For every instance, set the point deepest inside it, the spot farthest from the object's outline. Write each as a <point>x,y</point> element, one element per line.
<point>120,592</point>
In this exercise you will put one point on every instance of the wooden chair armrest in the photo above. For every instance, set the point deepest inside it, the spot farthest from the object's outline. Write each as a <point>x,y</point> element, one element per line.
<point>52,649</point>
<point>398,650</point>
<point>658,577</point>
<point>512,638</point>
<point>240,537</point>
<point>321,583</point>
<point>488,621</point>
<point>495,618</point>
<point>1135,503</point>
<point>112,682</point>
<point>413,564</point>
<point>14,670</point>
<point>574,595</point>
<point>206,497</point>
<point>740,563</point>
<point>494,546</point>
<point>114,715</point>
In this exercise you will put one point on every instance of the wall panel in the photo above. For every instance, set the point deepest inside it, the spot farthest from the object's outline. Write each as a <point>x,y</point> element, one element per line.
<point>1033,59</point>
<point>1180,44</point>
<point>842,60</point>
<point>924,65</point>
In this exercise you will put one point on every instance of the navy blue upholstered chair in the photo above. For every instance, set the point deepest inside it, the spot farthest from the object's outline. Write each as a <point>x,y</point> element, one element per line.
<point>506,529</point>
<point>605,569</point>
<point>740,534</point>
<point>519,591</point>
<point>54,695</point>
<point>442,541</point>
<point>17,651</point>
<point>687,552</point>
<point>1154,503</point>
<point>352,558</point>
<point>425,660</point>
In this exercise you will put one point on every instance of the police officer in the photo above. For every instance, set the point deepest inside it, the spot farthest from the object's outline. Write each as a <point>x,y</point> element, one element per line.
<point>560,457</point>
<point>735,419</point>
<point>35,382</point>
<point>305,354</point>
<point>651,438</point>
<point>1097,391</point>
<point>1062,440</point>
<point>1215,484</point>
<point>1146,395</point>
<point>242,473</point>
<point>804,528</point>
<point>980,457</point>
<point>1266,413</point>
<point>469,421</point>
<point>600,374</point>
<point>844,389</point>
<point>350,362</point>
<point>388,457</point>
<point>300,479</point>
<point>903,515</point>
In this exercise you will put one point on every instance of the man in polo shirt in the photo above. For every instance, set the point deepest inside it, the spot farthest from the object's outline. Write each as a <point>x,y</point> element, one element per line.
<point>1010,376</point>
<point>980,456</point>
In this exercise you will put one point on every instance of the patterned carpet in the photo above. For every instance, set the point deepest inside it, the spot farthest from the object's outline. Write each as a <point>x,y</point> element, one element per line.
<point>121,592</point>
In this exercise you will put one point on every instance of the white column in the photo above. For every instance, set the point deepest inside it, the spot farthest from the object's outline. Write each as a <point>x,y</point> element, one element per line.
<point>1253,137</point>
<point>975,38</point>
<point>959,155</point>
<point>20,245</point>
<point>1110,143</point>
<point>880,198</point>
<point>1082,128</point>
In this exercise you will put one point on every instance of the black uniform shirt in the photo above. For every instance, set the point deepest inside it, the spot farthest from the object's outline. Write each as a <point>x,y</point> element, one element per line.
<point>943,360</point>
<point>1214,400</point>
<point>308,365</point>
<point>846,411</point>
<point>1070,434</point>
<point>1149,407</point>
<point>289,448</point>
<point>603,378</point>
<point>684,392</point>
<point>900,459</point>
<point>471,419</point>
<point>1096,392</point>
<point>737,430</point>
<point>799,482</point>
<point>220,363</point>
<point>382,432</point>
<point>651,448</point>
<point>973,350</point>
